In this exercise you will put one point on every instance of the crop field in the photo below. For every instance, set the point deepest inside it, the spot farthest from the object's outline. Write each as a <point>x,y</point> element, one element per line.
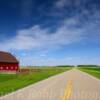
<point>13,82</point>
<point>94,71</point>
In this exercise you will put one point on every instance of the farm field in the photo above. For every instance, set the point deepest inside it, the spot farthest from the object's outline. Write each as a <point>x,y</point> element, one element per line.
<point>94,71</point>
<point>13,82</point>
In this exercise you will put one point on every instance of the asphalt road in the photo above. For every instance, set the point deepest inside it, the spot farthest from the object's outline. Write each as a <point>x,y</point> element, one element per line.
<point>70,85</point>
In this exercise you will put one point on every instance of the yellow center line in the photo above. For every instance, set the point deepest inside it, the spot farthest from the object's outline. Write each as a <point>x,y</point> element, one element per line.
<point>68,91</point>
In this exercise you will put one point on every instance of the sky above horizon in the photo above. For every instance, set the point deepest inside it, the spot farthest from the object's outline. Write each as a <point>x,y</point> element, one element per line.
<point>51,32</point>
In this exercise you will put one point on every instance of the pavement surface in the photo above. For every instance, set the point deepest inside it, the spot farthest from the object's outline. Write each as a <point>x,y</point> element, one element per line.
<point>70,85</point>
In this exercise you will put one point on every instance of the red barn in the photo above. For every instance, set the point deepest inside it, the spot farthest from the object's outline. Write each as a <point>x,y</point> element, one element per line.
<point>8,62</point>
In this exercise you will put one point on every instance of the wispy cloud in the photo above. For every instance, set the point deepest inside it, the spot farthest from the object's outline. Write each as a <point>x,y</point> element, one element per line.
<point>36,61</point>
<point>37,37</point>
<point>69,3</point>
<point>70,31</point>
<point>73,22</point>
<point>61,3</point>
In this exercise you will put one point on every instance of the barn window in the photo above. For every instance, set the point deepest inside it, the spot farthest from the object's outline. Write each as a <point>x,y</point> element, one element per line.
<point>11,67</point>
<point>6,67</point>
<point>1,67</point>
<point>15,67</point>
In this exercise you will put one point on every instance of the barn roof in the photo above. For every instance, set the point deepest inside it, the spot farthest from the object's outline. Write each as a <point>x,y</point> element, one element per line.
<point>7,57</point>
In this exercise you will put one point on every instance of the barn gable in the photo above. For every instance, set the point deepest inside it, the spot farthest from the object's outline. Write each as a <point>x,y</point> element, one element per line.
<point>7,57</point>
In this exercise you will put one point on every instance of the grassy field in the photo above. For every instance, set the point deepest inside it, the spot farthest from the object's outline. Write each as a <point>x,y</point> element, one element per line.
<point>11,82</point>
<point>94,71</point>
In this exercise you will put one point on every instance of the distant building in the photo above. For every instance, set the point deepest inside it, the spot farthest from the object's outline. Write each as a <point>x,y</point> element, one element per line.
<point>8,62</point>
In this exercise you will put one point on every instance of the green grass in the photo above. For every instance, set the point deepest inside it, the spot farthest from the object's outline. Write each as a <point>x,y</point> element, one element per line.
<point>10,83</point>
<point>94,71</point>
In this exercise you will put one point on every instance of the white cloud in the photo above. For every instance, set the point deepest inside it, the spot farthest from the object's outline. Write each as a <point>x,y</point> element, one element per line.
<point>36,37</point>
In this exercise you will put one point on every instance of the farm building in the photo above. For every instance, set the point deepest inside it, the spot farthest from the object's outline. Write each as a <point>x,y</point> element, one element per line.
<point>8,62</point>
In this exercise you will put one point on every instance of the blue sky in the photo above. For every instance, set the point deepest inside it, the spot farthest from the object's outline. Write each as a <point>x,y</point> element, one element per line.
<point>51,32</point>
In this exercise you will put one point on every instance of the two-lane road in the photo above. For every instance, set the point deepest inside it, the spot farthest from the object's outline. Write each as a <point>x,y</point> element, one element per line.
<point>70,85</point>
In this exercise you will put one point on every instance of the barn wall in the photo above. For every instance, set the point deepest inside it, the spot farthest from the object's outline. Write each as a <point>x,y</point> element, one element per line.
<point>9,67</point>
